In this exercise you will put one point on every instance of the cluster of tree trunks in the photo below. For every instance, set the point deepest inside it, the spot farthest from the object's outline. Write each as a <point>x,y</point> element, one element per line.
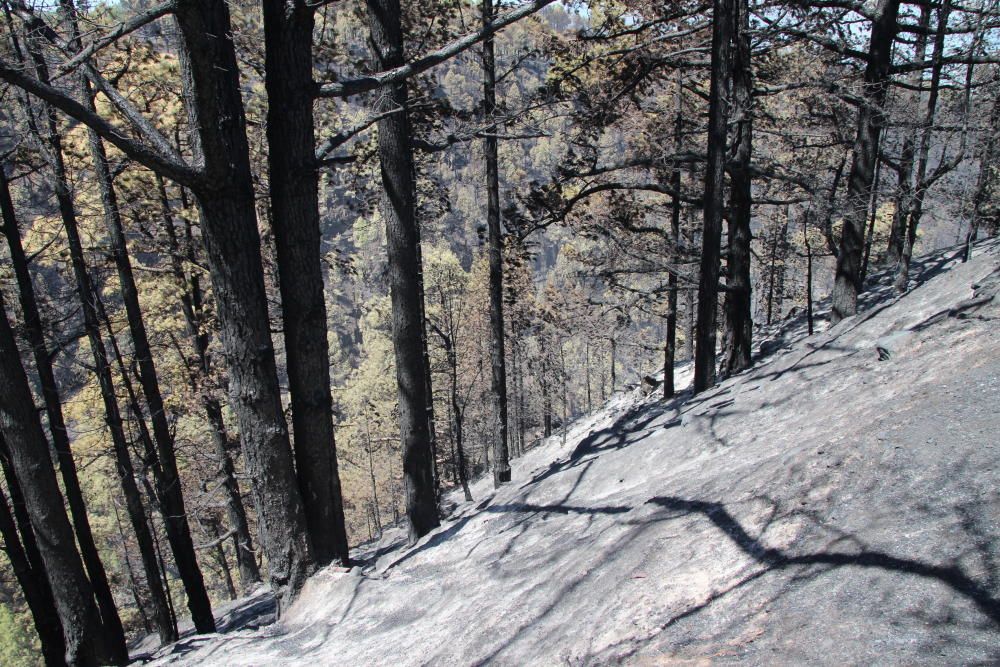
<point>294,475</point>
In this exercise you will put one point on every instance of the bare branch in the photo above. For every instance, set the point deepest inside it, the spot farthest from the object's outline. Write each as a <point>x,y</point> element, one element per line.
<point>141,153</point>
<point>373,81</point>
<point>116,33</point>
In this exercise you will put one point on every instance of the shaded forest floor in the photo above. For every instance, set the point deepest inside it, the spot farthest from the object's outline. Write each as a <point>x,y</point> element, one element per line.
<point>824,507</point>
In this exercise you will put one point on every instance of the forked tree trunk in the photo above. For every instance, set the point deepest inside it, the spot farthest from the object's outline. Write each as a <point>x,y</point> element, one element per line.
<point>21,429</point>
<point>35,333</point>
<point>21,549</point>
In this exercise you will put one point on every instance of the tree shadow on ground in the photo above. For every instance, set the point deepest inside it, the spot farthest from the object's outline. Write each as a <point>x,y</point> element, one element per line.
<point>249,614</point>
<point>531,508</point>
<point>625,431</point>
<point>951,575</point>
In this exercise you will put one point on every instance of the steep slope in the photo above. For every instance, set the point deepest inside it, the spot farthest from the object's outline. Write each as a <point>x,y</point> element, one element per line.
<point>824,507</point>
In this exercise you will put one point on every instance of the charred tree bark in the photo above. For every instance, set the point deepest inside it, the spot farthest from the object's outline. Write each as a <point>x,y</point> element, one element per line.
<point>123,462</point>
<point>614,365</point>
<point>809,273</point>
<point>738,336</point>
<point>91,321</point>
<point>21,548</point>
<point>871,120</point>
<point>221,182</point>
<point>902,279</point>
<point>35,333</point>
<point>904,187</point>
<point>522,425</point>
<point>83,634</point>
<point>229,229</point>
<point>715,172</point>
<point>670,346</point>
<point>458,414</point>
<point>501,457</point>
<point>776,272</point>
<point>546,399</point>
<point>428,379</point>
<point>872,215</point>
<point>399,209</point>
<point>985,212</point>
<point>294,184</point>
<point>191,300</point>
<point>170,495</point>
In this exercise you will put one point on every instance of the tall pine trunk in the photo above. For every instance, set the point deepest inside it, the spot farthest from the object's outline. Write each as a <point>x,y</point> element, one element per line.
<point>902,279</point>
<point>229,229</point>
<point>871,120</point>
<point>985,213</point>
<point>399,209</point>
<point>191,300</point>
<point>715,173</point>
<point>294,190</point>
<point>123,461</point>
<point>738,323</point>
<point>670,345</point>
<point>904,189</point>
<point>169,491</point>
<point>498,386</point>
<point>91,323</point>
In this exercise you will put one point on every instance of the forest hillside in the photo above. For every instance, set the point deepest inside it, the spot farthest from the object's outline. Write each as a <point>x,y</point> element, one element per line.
<point>498,331</point>
<point>835,504</point>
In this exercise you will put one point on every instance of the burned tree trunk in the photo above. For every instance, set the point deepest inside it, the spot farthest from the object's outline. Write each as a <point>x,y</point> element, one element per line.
<point>22,552</point>
<point>738,335</point>
<point>399,209</point>
<point>871,120</point>
<point>715,172</point>
<point>35,333</point>
<point>229,229</point>
<point>85,643</point>
<point>922,184</point>
<point>904,188</point>
<point>169,492</point>
<point>191,307</point>
<point>294,185</point>
<point>91,321</point>
<point>985,209</point>
<point>501,457</point>
<point>670,345</point>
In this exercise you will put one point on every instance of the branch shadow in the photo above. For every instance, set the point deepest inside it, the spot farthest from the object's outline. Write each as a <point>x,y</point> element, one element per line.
<point>952,576</point>
<point>614,437</point>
